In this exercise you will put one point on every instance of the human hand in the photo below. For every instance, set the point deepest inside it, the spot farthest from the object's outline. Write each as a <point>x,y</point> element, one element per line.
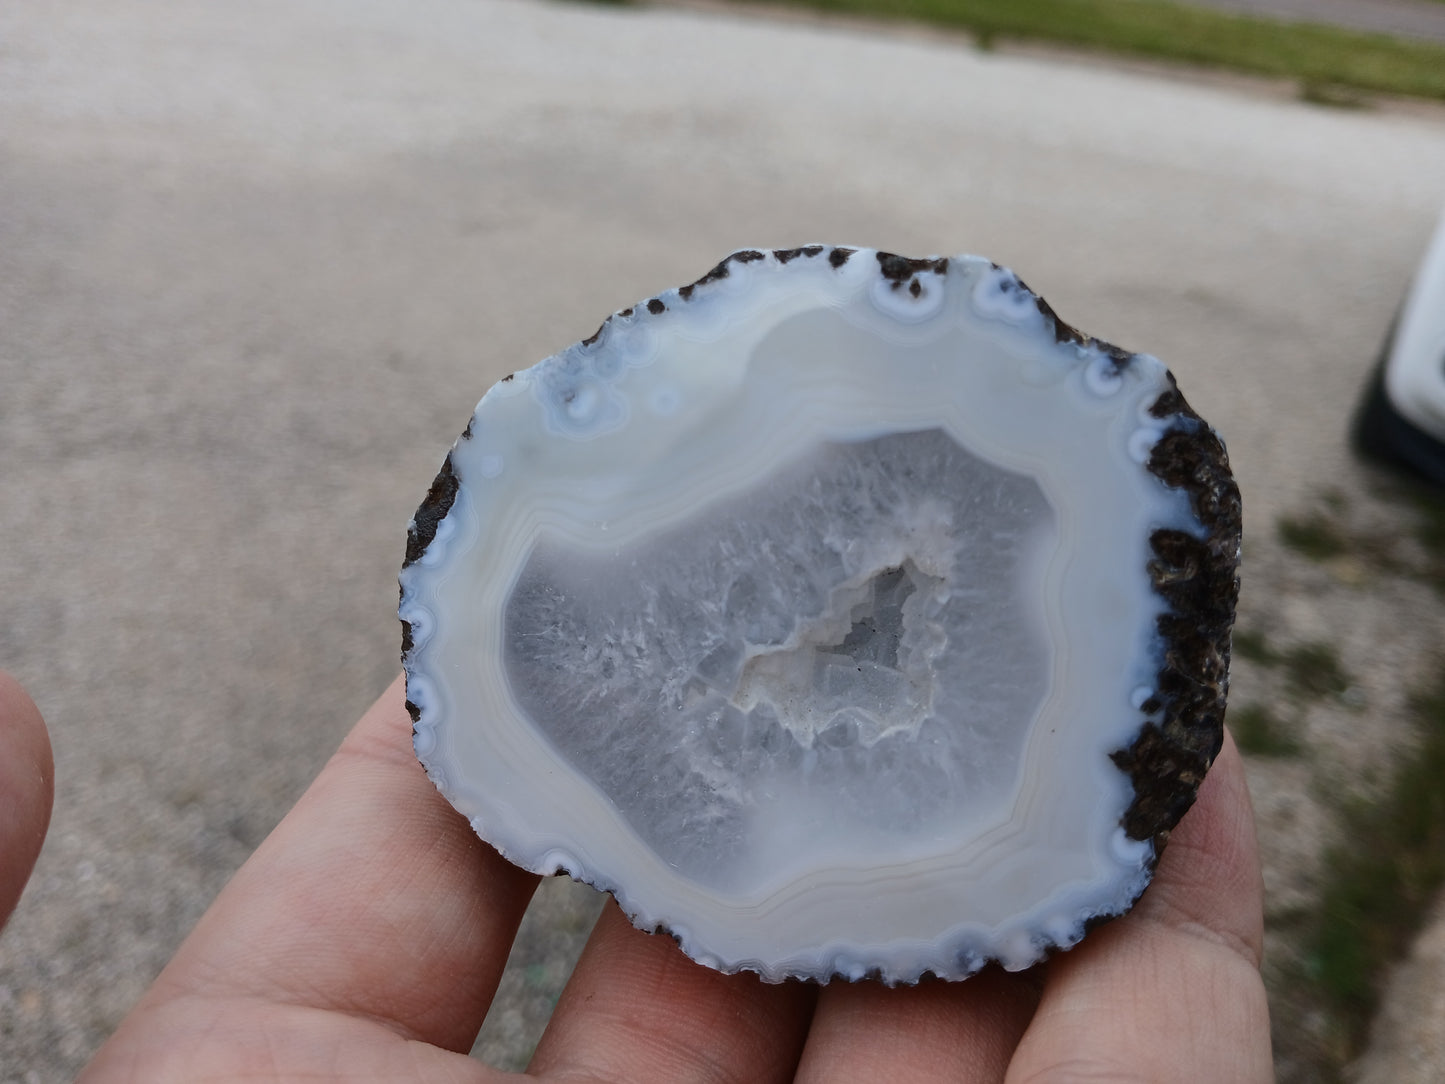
<point>27,787</point>
<point>365,938</point>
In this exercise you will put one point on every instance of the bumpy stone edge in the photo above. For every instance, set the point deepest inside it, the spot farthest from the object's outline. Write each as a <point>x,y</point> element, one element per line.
<point>419,534</point>
<point>1197,576</point>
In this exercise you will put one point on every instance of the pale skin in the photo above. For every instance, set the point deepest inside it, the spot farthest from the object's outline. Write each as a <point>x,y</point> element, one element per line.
<point>365,938</point>
<point>27,789</point>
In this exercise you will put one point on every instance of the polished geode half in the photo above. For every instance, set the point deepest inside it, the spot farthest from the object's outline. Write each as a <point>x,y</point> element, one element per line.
<point>842,614</point>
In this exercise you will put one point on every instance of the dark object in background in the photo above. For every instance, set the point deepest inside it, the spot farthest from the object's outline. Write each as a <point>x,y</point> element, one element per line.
<point>1401,420</point>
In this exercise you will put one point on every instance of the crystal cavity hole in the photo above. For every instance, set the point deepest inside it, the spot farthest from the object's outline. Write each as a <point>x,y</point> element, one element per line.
<point>853,688</point>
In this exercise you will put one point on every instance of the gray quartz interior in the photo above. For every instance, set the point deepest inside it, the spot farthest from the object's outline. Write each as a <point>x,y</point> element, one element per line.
<point>858,636</point>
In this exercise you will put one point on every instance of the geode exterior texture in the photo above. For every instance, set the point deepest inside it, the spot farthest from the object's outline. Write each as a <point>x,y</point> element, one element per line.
<point>843,614</point>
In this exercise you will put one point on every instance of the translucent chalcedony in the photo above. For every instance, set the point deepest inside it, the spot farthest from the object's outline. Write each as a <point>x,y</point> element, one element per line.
<point>809,610</point>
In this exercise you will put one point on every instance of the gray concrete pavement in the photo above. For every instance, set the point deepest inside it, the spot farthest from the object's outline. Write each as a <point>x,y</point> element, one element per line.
<point>257,263</point>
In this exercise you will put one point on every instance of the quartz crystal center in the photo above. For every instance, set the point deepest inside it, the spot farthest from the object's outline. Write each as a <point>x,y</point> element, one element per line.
<point>849,653</point>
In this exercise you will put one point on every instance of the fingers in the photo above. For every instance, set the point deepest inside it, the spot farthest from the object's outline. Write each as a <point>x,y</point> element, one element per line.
<point>936,1031</point>
<point>373,898</point>
<point>27,789</point>
<point>1172,990</point>
<point>638,1010</point>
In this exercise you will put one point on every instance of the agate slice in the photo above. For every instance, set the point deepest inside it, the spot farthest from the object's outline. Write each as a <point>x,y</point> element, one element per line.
<point>842,614</point>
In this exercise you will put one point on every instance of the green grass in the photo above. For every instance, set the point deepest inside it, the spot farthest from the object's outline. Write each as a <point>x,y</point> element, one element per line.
<point>1431,527</point>
<point>1380,879</point>
<point>1323,59</point>
<point>1315,536</point>
<point>1429,532</point>
<point>1322,534</point>
<point>1313,670</point>
<point>1252,645</point>
<point>1259,731</point>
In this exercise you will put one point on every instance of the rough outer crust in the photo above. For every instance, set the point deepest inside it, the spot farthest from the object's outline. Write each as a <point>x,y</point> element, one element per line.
<point>721,271</point>
<point>900,269</point>
<point>419,535</point>
<point>1197,576</point>
<point>432,510</point>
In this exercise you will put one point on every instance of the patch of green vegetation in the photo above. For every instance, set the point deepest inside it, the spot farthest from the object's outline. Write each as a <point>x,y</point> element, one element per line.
<point>1316,55</point>
<point>1388,865</point>
<point>1251,644</point>
<point>1259,731</point>
<point>1316,536</point>
<point>1429,531</point>
<point>1381,879</point>
<point>1322,534</point>
<point>1313,670</point>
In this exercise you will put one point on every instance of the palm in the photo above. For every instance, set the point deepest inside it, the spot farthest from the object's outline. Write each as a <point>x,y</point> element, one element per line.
<point>366,936</point>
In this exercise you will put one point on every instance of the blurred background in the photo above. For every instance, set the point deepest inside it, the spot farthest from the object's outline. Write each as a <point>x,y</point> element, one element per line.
<point>259,260</point>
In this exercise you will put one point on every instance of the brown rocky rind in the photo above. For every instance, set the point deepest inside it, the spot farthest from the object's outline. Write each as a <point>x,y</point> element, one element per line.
<point>1199,577</point>
<point>419,535</point>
